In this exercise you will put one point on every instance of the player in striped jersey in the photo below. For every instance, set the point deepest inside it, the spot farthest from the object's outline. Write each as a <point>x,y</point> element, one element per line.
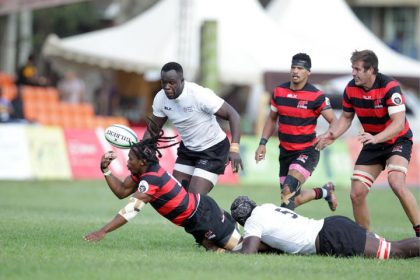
<point>379,104</point>
<point>282,229</point>
<point>296,106</point>
<point>199,214</point>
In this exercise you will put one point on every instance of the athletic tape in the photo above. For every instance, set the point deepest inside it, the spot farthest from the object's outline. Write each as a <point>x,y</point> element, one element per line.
<point>384,250</point>
<point>363,177</point>
<point>131,209</point>
<point>392,167</point>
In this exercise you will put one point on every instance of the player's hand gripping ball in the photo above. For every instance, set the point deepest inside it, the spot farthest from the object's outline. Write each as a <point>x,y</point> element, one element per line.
<point>120,136</point>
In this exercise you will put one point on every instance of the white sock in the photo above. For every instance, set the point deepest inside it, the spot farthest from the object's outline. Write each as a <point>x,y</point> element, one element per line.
<point>324,193</point>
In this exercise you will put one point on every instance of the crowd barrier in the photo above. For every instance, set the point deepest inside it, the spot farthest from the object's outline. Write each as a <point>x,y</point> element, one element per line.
<point>35,152</point>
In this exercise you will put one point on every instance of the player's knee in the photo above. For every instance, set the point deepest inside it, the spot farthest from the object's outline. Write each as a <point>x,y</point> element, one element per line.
<point>292,183</point>
<point>396,176</point>
<point>358,194</point>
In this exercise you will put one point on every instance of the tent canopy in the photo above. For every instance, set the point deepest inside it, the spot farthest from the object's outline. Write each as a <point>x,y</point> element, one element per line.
<point>166,33</point>
<point>329,32</point>
<point>250,42</point>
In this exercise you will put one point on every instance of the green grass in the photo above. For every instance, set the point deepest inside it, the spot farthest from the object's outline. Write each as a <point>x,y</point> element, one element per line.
<point>42,225</point>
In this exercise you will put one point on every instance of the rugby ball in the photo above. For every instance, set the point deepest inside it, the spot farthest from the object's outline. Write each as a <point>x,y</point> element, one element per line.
<point>120,136</point>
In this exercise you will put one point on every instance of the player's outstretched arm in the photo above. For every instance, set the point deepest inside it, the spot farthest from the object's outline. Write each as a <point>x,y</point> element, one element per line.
<point>97,235</point>
<point>126,214</point>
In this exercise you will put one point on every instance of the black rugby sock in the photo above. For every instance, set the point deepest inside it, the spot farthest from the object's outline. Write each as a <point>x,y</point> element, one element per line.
<point>318,193</point>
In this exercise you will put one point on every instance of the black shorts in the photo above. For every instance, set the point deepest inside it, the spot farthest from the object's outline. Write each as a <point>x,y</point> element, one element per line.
<point>341,237</point>
<point>211,222</point>
<point>380,153</point>
<point>213,159</point>
<point>307,158</point>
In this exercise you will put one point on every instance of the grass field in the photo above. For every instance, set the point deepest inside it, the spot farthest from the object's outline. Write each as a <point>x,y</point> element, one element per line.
<point>42,225</point>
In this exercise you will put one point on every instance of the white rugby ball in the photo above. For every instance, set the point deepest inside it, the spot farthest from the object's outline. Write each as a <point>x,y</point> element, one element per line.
<point>120,136</point>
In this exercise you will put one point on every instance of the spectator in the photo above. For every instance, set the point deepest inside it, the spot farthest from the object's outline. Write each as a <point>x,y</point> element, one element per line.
<point>71,88</point>
<point>17,106</point>
<point>106,96</point>
<point>28,74</point>
<point>5,108</point>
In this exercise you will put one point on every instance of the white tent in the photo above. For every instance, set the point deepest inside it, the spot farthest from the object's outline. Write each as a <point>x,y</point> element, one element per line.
<point>250,42</point>
<point>165,33</point>
<point>329,32</point>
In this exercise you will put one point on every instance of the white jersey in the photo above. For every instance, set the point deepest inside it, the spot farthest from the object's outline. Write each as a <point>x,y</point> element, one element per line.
<point>192,113</point>
<point>283,229</point>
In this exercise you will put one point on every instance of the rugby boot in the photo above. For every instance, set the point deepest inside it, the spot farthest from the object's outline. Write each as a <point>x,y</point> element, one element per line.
<point>331,198</point>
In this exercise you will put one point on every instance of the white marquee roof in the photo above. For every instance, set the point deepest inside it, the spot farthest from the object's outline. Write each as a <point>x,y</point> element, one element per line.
<point>250,41</point>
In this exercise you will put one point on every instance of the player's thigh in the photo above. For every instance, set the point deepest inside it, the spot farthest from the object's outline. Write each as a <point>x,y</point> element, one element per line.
<point>183,178</point>
<point>363,178</point>
<point>202,184</point>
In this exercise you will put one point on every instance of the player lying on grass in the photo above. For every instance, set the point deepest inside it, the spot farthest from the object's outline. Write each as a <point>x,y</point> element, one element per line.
<point>199,214</point>
<point>285,230</point>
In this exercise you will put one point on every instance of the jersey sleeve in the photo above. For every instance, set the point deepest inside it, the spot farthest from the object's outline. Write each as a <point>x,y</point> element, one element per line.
<point>253,227</point>
<point>158,105</point>
<point>347,106</point>
<point>149,184</point>
<point>273,105</point>
<point>209,101</point>
<point>322,103</point>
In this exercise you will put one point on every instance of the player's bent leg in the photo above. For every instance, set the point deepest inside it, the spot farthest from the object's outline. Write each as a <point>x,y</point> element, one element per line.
<point>290,189</point>
<point>396,179</point>
<point>304,196</point>
<point>406,248</point>
<point>382,249</point>
<point>362,180</point>
<point>377,247</point>
<point>358,196</point>
<point>183,173</point>
<point>202,181</point>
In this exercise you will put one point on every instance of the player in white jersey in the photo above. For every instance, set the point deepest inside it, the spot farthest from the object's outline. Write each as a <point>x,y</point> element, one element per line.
<point>285,230</point>
<point>204,150</point>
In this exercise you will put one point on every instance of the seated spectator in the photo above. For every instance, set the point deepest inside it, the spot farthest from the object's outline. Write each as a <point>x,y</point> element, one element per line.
<point>5,108</point>
<point>17,106</point>
<point>71,88</point>
<point>28,74</point>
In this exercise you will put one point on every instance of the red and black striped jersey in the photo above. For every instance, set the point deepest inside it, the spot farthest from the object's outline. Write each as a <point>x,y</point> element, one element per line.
<point>169,198</point>
<point>371,106</point>
<point>298,112</point>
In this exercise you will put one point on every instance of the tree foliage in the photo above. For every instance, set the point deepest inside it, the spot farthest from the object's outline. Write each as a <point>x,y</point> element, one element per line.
<point>64,21</point>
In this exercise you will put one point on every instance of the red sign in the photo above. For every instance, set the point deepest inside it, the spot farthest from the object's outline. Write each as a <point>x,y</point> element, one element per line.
<point>84,151</point>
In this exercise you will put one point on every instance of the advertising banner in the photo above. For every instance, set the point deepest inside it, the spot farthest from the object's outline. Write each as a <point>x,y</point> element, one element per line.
<point>47,152</point>
<point>84,152</point>
<point>14,159</point>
